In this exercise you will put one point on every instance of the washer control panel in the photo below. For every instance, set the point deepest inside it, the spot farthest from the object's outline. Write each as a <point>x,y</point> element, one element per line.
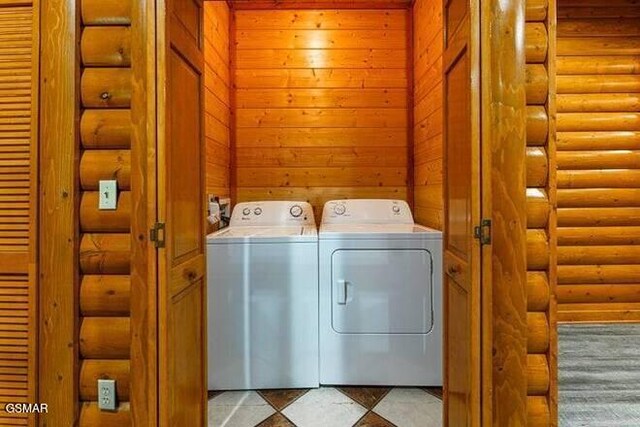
<point>367,211</point>
<point>272,213</point>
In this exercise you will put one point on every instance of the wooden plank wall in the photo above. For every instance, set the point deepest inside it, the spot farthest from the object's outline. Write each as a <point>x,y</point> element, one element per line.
<point>427,115</point>
<point>599,161</point>
<point>321,104</point>
<point>18,199</point>
<point>541,222</point>
<point>217,97</point>
<point>105,243</point>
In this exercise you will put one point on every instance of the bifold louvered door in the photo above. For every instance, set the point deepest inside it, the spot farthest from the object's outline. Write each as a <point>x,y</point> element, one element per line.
<point>18,83</point>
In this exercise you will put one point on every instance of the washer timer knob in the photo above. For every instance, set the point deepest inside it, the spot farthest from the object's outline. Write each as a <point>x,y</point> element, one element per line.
<point>339,209</point>
<point>246,211</point>
<point>257,211</point>
<point>396,209</point>
<point>296,211</point>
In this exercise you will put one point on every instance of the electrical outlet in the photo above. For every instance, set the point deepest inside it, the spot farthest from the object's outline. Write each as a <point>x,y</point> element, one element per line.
<point>107,395</point>
<point>108,199</point>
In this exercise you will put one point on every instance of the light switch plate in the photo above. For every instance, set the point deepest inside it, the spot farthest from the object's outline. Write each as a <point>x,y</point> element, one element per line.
<point>108,199</point>
<point>107,395</point>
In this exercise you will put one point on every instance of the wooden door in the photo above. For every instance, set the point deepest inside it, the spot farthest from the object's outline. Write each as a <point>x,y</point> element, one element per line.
<point>462,353</point>
<point>181,194</point>
<point>19,145</point>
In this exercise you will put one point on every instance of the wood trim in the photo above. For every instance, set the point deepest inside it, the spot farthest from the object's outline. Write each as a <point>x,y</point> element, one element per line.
<point>59,235</point>
<point>318,4</point>
<point>552,225</point>
<point>233,117</point>
<point>144,337</point>
<point>34,227</point>
<point>13,3</point>
<point>410,113</point>
<point>15,262</point>
<point>504,312</point>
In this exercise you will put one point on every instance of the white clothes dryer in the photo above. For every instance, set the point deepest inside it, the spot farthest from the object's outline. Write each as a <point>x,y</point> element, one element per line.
<point>380,296</point>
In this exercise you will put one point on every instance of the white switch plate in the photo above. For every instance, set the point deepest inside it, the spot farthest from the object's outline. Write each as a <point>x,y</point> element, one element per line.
<point>107,395</point>
<point>108,199</point>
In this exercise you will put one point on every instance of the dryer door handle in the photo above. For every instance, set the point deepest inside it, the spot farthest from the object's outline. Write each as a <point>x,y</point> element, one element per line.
<point>342,286</point>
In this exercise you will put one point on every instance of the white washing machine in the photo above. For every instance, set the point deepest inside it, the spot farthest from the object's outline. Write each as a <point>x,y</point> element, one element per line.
<point>380,296</point>
<point>263,298</point>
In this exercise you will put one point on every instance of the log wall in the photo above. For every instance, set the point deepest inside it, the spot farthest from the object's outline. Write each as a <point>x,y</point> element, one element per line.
<point>217,97</point>
<point>18,204</point>
<point>321,104</point>
<point>105,239</point>
<point>541,216</point>
<point>427,113</point>
<point>598,161</point>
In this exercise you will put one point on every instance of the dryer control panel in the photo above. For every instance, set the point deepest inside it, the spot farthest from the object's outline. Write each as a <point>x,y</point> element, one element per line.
<point>272,213</point>
<point>367,211</point>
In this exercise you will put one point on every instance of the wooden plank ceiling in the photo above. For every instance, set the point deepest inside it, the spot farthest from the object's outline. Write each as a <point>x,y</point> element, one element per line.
<point>319,4</point>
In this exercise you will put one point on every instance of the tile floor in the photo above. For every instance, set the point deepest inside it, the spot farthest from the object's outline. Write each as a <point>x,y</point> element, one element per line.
<point>327,406</point>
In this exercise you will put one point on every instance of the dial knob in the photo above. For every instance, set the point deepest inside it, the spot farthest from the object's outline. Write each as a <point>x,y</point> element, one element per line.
<point>396,209</point>
<point>246,211</point>
<point>257,211</point>
<point>296,211</point>
<point>339,209</point>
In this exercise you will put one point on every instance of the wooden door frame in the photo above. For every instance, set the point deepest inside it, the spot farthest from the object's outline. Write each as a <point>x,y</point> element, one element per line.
<point>502,299</point>
<point>144,355</point>
<point>503,287</point>
<point>58,193</point>
<point>504,267</point>
<point>58,346</point>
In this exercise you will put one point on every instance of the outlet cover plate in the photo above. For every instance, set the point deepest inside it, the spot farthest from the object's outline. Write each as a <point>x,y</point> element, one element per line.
<point>108,195</point>
<point>107,395</point>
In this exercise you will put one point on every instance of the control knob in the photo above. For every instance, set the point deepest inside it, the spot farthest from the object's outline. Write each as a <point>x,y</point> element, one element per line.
<point>246,211</point>
<point>296,211</point>
<point>257,211</point>
<point>339,209</point>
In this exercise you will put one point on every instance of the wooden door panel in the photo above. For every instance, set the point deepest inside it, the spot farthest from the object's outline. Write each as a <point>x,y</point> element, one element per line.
<point>181,200</point>
<point>458,124</point>
<point>188,273</point>
<point>188,13</point>
<point>187,371</point>
<point>459,383</point>
<point>184,158</point>
<point>462,212</point>
<point>454,11</point>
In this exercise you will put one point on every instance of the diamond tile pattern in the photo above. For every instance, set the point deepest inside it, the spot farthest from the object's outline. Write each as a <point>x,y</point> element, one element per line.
<point>366,396</point>
<point>238,409</point>
<point>323,407</point>
<point>280,399</point>
<point>327,406</point>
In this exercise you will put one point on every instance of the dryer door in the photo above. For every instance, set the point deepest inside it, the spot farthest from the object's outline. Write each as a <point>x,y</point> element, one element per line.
<point>382,291</point>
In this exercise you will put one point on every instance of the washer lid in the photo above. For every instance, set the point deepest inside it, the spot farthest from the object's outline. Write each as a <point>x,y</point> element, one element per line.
<point>377,231</point>
<point>263,234</point>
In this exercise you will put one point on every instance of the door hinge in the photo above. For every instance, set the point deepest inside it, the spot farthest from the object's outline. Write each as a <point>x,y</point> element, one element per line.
<point>156,234</point>
<point>482,232</point>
